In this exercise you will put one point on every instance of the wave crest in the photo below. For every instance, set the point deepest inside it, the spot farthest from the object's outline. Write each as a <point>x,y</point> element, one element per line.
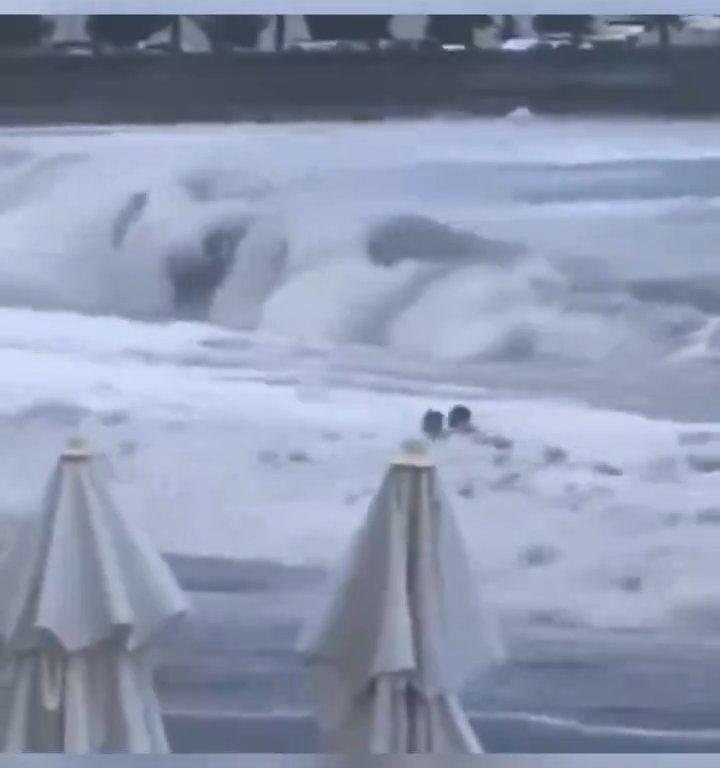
<point>234,250</point>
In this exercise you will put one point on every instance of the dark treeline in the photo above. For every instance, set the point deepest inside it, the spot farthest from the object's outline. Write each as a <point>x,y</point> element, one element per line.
<point>244,30</point>
<point>455,29</point>
<point>558,23</point>
<point>664,23</point>
<point>349,27</point>
<point>577,26</point>
<point>124,30</point>
<point>233,30</point>
<point>222,31</point>
<point>21,31</point>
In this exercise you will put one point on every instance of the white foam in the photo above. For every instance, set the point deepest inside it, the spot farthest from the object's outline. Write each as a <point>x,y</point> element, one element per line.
<point>520,115</point>
<point>212,472</point>
<point>561,723</point>
<point>313,192</point>
<point>204,419</point>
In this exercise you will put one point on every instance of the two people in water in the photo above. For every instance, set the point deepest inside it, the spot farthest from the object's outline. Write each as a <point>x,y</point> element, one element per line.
<point>459,420</point>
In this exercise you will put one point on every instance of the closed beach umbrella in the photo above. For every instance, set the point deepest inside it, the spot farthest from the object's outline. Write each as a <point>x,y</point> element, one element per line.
<point>92,601</point>
<point>404,630</point>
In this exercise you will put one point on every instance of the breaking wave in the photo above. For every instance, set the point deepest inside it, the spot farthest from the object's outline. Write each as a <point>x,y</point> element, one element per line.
<point>436,258</point>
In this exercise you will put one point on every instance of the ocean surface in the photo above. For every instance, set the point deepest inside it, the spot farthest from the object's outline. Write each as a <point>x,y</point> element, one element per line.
<point>231,681</point>
<point>592,265</point>
<point>245,320</point>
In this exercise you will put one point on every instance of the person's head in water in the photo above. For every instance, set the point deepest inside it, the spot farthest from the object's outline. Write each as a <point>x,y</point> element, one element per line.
<point>460,419</point>
<point>433,424</point>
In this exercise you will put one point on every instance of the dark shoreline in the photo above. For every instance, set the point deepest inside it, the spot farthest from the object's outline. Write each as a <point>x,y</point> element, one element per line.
<point>194,734</point>
<point>136,88</point>
<point>228,678</point>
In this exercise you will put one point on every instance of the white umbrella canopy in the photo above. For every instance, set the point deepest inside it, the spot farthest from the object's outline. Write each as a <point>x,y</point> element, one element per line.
<point>93,599</point>
<point>404,630</point>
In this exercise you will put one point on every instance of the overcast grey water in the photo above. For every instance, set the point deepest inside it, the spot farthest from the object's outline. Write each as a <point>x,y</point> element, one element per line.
<point>232,682</point>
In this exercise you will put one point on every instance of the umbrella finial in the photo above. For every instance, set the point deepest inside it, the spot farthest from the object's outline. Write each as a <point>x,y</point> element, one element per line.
<point>76,448</point>
<point>413,453</point>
